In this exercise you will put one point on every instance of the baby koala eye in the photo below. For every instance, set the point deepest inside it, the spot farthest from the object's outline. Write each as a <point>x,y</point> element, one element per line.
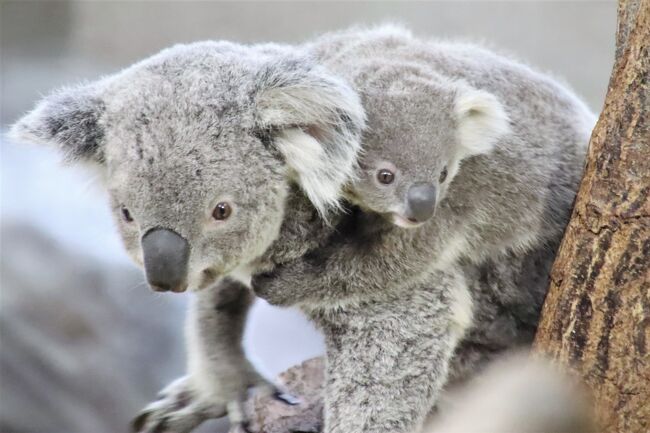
<point>221,211</point>
<point>126,215</point>
<point>443,175</point>
<point>385,176</point>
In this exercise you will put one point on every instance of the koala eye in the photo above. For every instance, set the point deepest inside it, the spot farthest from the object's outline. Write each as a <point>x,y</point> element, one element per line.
<point>443,175</point>
<point>126,215</point>
<point>385,176</point>
<point>221,211</point>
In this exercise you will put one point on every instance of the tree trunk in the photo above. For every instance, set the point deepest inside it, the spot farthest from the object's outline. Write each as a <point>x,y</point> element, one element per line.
<point>596,317</point>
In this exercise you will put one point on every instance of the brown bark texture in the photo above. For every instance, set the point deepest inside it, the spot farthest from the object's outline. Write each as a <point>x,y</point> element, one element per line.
<point>596,318</point>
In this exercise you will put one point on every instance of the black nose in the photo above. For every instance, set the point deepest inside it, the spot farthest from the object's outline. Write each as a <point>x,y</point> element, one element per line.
<point>165,259</point>
<point>421,199</point>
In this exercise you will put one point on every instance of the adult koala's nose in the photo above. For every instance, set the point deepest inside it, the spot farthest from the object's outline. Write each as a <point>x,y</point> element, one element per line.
<point>421,198</point>
<point>166,254</point>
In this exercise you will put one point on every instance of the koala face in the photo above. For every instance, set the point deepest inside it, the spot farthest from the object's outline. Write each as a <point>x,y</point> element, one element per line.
<point>190,217</point>
<point>198,147</point>
<point>418,133</point>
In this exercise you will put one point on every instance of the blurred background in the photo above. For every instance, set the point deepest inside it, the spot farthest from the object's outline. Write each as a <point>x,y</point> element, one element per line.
<point>83,343</point>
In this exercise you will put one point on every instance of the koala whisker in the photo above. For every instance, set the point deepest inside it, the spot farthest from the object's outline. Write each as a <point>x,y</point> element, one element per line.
<point>140,284</point>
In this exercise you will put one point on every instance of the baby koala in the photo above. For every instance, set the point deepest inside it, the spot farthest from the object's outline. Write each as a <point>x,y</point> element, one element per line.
<point>404,174</point>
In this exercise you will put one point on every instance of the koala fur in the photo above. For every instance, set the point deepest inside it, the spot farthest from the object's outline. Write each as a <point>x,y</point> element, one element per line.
<point>259,126</point>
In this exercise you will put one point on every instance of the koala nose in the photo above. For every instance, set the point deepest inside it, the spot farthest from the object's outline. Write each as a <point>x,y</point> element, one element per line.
<point>421,199</point>
<point>166,254</point>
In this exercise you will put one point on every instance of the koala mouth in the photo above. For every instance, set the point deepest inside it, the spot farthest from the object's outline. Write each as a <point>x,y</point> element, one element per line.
<point>401,221</point>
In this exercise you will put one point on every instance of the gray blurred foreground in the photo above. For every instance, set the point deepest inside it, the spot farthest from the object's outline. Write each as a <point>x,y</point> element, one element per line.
<point>84,346</point>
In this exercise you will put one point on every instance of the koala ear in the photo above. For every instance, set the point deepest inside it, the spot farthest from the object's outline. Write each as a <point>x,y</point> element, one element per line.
<point>482,120</point>
<point>67,119</point>
<point>317,120</point>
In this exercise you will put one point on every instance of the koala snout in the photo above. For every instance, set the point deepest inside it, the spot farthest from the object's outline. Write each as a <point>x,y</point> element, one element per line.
<point>166,254</point>
<point>421,202</point>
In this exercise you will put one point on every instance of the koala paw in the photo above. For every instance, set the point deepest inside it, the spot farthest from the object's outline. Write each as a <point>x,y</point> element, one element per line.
<point>177,410</point>
<point>275,286</point>
<point>237,411</point>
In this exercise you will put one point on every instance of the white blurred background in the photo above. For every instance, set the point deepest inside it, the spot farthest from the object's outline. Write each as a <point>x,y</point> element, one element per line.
<point>83,344</point>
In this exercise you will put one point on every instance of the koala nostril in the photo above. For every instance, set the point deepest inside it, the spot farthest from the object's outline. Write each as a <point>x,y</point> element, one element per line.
<point>159,287</point>
<point>421,198</point>
<point>180,288</point>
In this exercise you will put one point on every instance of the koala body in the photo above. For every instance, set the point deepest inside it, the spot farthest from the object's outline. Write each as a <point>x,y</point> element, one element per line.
<point>223,156</point>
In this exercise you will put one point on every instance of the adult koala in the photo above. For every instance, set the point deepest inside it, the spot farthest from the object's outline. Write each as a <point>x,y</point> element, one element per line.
<point>202,148</point>
<point>363,395</point>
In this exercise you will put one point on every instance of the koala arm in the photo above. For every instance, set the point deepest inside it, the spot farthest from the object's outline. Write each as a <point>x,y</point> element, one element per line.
<point>302,230</point>
<point>219,374</point>
<point>349,266</point>
<point>385,375</point>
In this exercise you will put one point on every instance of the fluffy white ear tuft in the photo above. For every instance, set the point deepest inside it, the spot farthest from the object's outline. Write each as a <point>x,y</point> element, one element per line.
<point>316,120</point>
<point>310,165</point>
<point>482,121</point>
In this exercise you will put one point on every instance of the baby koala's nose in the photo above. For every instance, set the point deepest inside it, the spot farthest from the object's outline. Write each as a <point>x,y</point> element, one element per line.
<point>166,254</point>
<point>421,199</point>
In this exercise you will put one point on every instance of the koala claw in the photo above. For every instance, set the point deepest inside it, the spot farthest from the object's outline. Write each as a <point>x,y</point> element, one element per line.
<point>242,427</point>
<point>286,398</point>
<point>268,389</point>
<point>176,410</point>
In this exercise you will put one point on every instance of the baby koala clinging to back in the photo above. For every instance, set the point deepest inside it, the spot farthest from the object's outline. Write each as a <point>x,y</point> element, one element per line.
<point>404,172</point>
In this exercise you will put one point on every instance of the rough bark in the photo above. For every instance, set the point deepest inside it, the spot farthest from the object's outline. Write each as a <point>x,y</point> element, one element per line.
<point>306,381</point>
<point>596,317</point>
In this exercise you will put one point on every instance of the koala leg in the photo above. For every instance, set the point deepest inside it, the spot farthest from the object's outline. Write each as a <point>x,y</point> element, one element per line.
<point>387,361</point>
<point>219,376</point>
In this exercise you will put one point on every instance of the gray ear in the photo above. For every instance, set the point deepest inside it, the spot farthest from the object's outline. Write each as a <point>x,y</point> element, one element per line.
<point>67,119</point>
<point>317,120</point>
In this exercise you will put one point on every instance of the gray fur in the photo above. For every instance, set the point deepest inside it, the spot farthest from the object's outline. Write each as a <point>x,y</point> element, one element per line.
<point>197,124</point>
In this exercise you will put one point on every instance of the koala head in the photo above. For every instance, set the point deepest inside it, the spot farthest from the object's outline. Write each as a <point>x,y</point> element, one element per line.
<point>418,132</point>
<point>198,146</point>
